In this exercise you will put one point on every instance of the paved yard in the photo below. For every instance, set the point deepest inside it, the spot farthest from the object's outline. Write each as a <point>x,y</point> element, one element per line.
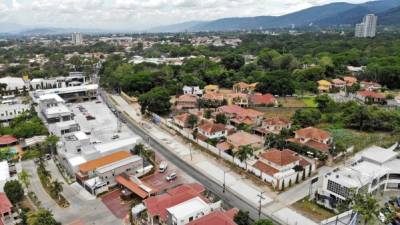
<point>115,204</point>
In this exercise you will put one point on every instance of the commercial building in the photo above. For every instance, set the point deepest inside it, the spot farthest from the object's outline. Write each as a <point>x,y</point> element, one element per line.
<point>70,94</point>
<point>373,170</point>
<point>13,83</point>
<point>10,111</point>
<point>368,27</point>
<point>77,38</point>
<point>53,108</point>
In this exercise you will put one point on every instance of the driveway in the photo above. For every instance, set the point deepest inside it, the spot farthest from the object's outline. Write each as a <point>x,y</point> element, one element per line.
<point>81,208</point>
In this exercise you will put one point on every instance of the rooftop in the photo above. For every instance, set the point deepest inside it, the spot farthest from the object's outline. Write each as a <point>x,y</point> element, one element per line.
<point>103,161</point>
<point>188,207</point>
<point>212,127</point>
<point>279,157</point>
<point>313,133</point>
<point>216,218</point>
<point>242,138</point>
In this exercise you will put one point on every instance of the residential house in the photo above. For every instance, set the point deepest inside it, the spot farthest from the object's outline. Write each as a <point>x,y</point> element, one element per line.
<point>212,130</point>
<point>239,99</point>
<point>238,115</point>
<point>314,138</point>
<point>211,88</point>
<point>371,97</point>
<point>5,209</point>
<point>338,83</point>
<point>273,125</point>
<point>213,97</point>
<point>185,102</point>
<point>263,100</point>
<point>350,81</point>
<point>182,120</point>
<point>370,86</point>
<point>242,138</point>
<point>324,86</point>
<point>217,218</point>
<point>157,205</point>
<point>244,88</point>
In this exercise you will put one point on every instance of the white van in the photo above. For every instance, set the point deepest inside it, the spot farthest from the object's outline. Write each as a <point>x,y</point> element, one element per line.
<point>163,167</point>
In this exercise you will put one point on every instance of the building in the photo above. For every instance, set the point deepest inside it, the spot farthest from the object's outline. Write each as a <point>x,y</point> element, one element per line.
<point>10,111</point>
<point>242,138</point>
<point>99,174</point>
<point>188,211</point>
<point>371,97</point>
<point>370,86</point>
<point>239,99</point>
<point>324,86</point>
<point>274,126</point>
<point>212,130</point>
<point>217,218</point>
<point>238,115</point>
<point>350,81</point>
<point>53,109</point>
<point>338,83</point>
<point>186,102</point>
<point>6,216</point>
<point>8,140</point>
<point>211,88</point>
<point>77,38</point>
<point>372,170</point>
<point>368,27</point>
<point>244,88</point>
<point>70,94</point>
<point>13,83</point>
<point>157,205</point>
<point>182,120</point>
<point>263,100</point>
<point>192,90</point>
<point>314,138</point>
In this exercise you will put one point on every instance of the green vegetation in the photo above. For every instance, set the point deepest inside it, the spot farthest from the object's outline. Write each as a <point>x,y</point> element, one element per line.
<point>24,126</point>
<point>41,217</point>
<point>312,210</point>
<point>53,188</point>
<point>14,191</point>
<point>243,218</point>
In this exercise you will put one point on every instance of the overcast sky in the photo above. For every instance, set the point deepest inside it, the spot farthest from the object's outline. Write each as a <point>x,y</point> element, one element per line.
<point>139,14</point>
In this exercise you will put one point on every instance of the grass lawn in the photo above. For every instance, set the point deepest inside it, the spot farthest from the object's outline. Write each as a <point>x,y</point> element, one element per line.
<point>312,210</point>
<point>291,102</point>
<point>310,102</point>
<point>361,140</point>
<point>286,113</point>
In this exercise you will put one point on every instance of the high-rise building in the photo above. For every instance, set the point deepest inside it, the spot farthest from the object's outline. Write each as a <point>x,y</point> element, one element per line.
<point>77,38</point>
<point>368,26</point>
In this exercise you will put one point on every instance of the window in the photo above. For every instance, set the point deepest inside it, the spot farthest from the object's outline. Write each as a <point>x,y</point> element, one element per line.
<point>191,218</point>
<point>338,189</point>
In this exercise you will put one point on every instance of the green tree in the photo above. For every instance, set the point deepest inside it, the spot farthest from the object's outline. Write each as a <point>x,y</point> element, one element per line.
<point>24,177</point>
<point>14,191</point>
<point>221,118</point>
<point>244,153</point>
<point>41,217</point>
<point>324,103</point>
<point>242,218</point>
<point>232,61</point>
<point>156,101</point>
<point>192,120</point>
<point>367,206</point>
<point>263,222</point>
<point>306,117</point>
<point>207,114</point>
<point>56,188</point>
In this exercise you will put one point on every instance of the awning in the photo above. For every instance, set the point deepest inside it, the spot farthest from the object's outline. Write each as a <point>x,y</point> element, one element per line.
<point>131,186</point>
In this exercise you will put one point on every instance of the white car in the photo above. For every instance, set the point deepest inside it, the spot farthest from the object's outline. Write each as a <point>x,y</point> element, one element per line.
<point>171,177</point>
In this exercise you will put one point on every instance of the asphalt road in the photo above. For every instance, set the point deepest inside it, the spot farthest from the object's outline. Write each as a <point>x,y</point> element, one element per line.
<point>211,185</point>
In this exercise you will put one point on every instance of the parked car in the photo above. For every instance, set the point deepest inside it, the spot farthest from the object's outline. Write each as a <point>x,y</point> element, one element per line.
<point>163,166</point>
<point>171,177</point>
<point>115,136</point>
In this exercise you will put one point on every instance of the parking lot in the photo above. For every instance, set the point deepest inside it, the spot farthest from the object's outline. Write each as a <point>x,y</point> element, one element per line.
<point>115,204</point>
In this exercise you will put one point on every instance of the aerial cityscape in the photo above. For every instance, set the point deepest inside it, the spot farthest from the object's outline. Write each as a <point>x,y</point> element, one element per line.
<point>186,112</point>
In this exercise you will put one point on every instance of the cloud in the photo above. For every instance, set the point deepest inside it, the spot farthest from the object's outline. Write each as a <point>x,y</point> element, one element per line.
<point>140,14</point>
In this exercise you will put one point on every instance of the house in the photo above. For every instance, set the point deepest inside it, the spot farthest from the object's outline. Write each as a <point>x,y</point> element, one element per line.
<point>350,81</point>
<point>213,130</point>
<point>182,120</point>
<point>239,99</point>
<point>13,83</point>
<point>189,210</point>
<point>99,174</point>
<point>370,86</point>
<point>5,209</point>
<point>8,140</point>
<point>157,205</point>
<point>273,125</point>
<point>213,97</point>
<point>355,70</point>
<point>242,138</point>
<point>263,100</point>
<point>217,218</point>
<point>314,138</point>
<point>11,111</point>
<point>338,83</point>
<point>370,97</point>
<point>211,88</point>
<point>244,88</point>
<point>192,90</point>
<point>185,102</point>
<point>324,86</point>
<point>238,115</point>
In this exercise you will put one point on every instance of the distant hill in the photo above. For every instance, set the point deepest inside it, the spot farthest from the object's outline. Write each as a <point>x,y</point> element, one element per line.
<point>326,15</point>
<point>177,27</point>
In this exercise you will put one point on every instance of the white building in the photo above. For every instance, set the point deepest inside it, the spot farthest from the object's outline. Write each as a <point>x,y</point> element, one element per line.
<point>13,83</point>
<point>53,108</point>
<point>373,170</point>
<point>70,94</point>
<point>10,111</point>
<point>77,38</point>
<point>192,90</point>
<point>189,210</point>
<point>368,27</point>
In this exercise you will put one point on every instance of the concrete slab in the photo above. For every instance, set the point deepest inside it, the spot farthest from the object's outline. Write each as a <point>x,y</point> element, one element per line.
<point>291,217</point>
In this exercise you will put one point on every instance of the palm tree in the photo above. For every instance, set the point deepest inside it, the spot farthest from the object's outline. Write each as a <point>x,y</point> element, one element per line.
<point>244,153</point>
<point>24,176</point>
<point>57,188</point>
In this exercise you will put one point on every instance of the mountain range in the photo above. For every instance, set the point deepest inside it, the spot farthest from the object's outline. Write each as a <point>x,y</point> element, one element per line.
<point>334,14</point>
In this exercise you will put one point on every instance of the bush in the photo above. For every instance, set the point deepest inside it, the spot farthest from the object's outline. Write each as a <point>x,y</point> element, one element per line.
<point>14,191</point>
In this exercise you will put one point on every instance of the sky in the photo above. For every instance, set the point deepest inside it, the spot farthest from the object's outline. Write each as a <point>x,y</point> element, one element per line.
<point>139,14</point>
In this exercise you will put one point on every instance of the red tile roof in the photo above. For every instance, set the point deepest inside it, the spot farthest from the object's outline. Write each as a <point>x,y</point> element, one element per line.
<point>312,144</point>
<point>265,99</point>
<point>349,79</point>
<point>313,133</point>
<point>187,98</point>
<point>131,186</point>
<point>182,117</point>
<point>242,138</point>
<point>157,205</point>
<point>216,218</point>
<point>265,168</point>
<point>213,96</point>
<point>224,146</point>
<point>8,140</point>
<point>371,94</point>
<point>338,81</point>
<point>231,109</point>
<point>5,204</point>
<point>212,127</point>
<point>276,121</point>
<point>281,158</point>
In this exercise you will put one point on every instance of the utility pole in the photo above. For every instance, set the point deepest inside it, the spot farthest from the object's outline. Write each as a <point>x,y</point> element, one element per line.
<point>261,197</point>
<point>190,149</point>
<point>224,184</point>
